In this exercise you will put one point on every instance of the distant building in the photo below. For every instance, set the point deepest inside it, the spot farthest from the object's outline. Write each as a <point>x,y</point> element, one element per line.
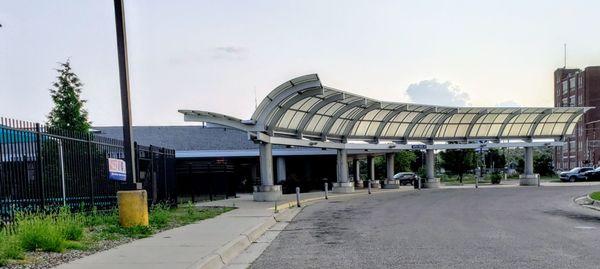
<point>213,160</point>
<point>576,87</point>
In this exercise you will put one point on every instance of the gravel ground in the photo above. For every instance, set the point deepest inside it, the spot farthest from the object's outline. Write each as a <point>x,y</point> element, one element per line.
<point>525,227</point>
<point>43,260</point>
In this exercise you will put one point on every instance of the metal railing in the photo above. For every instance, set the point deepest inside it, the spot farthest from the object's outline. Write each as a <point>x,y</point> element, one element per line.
<point>43,168</point>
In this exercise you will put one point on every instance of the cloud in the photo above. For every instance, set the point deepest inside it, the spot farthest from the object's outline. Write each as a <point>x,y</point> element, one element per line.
<point>509,103</point>
<point>229,52</point>
<point>433,92</point>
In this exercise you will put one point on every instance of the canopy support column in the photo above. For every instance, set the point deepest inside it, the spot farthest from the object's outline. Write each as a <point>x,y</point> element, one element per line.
<point>390,182</point>
<point>281,175</point>
<point>371,173</point>
<point>342,185</point>
<point>267,191</point>
<point>431,181</point>
<point>528,178</point>
<point>357,181</point>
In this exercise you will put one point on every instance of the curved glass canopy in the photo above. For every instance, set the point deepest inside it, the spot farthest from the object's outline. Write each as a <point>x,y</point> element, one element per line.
<point>304,108</point>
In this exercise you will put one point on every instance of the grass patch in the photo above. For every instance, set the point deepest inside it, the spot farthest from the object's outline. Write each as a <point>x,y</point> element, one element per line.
<point>595,195</point>
<point>63,229</point>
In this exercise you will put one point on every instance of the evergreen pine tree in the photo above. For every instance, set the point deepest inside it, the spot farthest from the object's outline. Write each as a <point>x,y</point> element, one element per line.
<point>68,112</point>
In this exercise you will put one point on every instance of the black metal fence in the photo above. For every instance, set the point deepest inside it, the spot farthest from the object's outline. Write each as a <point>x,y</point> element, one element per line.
<point>203,180</point>
<point>43,167</point>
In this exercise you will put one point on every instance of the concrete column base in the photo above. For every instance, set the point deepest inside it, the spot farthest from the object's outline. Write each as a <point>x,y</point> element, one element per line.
<point>267,193</point>
<point>391,184</point>
<point>343,187</point>
<point>431,183</point>
<point>358,184</point>
<point>375,184</point>
<point>528,180</point>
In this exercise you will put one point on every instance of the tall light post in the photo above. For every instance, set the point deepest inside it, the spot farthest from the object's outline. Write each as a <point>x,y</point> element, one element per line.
<point>133,201</point>
<point>128,146</point>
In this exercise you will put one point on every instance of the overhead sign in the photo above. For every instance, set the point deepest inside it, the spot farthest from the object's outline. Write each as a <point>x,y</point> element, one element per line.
<point>117,169</point>
<point>419,146</point>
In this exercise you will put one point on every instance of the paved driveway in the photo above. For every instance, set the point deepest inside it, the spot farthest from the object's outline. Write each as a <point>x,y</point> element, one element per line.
<point>527,227</point>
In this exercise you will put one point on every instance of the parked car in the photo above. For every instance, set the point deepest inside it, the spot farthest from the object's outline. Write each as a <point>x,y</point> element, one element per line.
<point>592,174</point>
<point>406,177</point>
<point>574,174</point>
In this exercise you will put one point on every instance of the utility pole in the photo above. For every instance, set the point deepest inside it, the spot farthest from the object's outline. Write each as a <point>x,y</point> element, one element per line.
<point>128,146</point>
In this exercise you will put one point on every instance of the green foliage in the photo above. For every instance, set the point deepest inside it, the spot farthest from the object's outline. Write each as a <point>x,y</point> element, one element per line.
<point>403,161</point>
<point>70,225</point>
<point>36,231</point>
<point>459,161</point>
<point>160,216</point>
<point>10,248</point>
<point>542,164</point>
<point>137,231</point>
<point>595,195</point>
<point>68,112</point>
<point>495,158</point>
<point>63,229</point>
<point>495,177</point>
<point>379,162</point>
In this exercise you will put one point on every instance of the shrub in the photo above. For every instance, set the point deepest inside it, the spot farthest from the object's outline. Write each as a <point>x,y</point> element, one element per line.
<point>10,249</point>
<point>160,216</point>
<point>39,232</point>
<point>495,178</point>
<point>71,225</point>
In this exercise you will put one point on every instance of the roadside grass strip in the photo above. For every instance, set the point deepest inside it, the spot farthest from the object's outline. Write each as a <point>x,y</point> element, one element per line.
<point>595,196</point>
<point>32,234</point>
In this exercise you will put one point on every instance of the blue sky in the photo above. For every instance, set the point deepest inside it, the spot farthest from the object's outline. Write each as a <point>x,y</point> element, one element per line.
<point>213,55</point>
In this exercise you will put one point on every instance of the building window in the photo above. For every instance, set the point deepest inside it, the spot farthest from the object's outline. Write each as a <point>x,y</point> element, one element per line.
<point>572,83</point>
<point>572,101</point>
<point>565,86</point>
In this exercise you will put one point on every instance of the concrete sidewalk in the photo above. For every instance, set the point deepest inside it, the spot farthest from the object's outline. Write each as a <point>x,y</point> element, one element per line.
<point>209,243</point>
<point>215,242</point>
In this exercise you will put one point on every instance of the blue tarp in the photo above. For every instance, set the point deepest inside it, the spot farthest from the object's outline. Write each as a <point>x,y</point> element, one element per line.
<point>8,136</point>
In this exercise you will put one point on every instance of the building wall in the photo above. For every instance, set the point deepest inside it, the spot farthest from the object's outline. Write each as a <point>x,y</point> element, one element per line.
<point>575,87</point>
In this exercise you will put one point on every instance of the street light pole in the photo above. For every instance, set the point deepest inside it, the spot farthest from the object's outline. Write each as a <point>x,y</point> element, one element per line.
<point>128,146</point>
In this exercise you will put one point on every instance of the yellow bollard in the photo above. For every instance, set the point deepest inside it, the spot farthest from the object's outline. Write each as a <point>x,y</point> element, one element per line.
<point>133,208</point>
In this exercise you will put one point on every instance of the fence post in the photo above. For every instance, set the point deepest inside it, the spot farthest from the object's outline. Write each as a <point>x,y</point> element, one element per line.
<point>39,168</point>
<point>154,181</point>
<point>164,159</point>
<point>136,154</point>
<point>91,170</point>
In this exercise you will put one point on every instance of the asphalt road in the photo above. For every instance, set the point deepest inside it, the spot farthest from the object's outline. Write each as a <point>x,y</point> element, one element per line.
<point>526,227</point>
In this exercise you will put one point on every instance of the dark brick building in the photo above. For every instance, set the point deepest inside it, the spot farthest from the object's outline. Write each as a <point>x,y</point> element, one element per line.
<point>576,87</point>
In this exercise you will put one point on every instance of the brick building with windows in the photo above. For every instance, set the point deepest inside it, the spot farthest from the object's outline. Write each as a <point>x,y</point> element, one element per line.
<point>576,87</point>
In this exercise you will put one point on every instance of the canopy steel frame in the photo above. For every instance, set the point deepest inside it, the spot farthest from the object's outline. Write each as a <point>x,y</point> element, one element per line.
<point>350,122</point>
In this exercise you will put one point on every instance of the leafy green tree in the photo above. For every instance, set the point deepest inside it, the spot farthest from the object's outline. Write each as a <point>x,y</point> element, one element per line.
<point>404,160</point>
<point>68,112</point>
<point>495,157</point>
<point>459,161</point>
<point>542,164</point>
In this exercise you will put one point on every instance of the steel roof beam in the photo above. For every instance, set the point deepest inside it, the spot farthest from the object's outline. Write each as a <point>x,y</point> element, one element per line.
<point>311,113</point>
<point>336,116</point>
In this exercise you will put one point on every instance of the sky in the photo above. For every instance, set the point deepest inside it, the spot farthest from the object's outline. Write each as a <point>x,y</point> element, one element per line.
<point>221,55</point>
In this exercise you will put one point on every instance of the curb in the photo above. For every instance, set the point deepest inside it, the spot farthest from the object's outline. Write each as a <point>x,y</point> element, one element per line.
<point>587,202</point>
<point>284,206</point>
<point>225,254</point>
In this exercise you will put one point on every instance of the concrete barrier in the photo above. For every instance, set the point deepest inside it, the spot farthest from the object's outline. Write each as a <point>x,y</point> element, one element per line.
<point>133,208</point>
